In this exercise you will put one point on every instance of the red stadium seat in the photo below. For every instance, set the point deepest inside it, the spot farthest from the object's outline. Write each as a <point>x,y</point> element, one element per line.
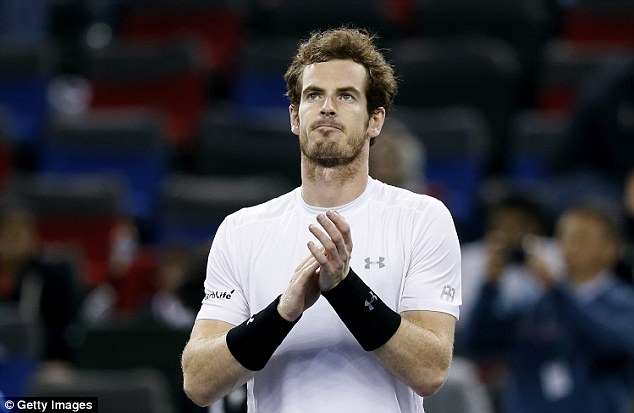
<point>216,24</point>
<point>565,68</point>
<point>167,78</point>
<point>73,215</point>
<point>600,23</point>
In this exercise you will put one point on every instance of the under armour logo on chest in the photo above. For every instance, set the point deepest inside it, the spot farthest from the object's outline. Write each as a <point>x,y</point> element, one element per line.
<point>369,262</point>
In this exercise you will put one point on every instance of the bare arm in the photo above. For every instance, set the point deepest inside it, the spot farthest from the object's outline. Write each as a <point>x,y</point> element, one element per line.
<point>421,350</point>
<point>209,369</point>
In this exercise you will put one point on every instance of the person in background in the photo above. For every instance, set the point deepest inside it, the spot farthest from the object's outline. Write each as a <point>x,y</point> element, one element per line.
<point>510,221</point>
<point>130,278</point>
<point>169,304</point>
<point>398,158</point>
<point>570,348</point>
<point>45,289</point>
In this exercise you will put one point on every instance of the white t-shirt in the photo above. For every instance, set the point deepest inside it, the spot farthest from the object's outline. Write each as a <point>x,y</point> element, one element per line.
<point>405,248</point>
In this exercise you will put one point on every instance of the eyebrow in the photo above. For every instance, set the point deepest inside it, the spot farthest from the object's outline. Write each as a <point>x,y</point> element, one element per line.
<point>347,89</point>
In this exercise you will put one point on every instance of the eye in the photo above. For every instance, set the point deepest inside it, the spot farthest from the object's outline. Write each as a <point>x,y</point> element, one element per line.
<point>312,96</point>
<point>347,96</point>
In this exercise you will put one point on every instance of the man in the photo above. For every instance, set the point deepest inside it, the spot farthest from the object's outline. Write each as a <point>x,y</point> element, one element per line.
<point>398,158</point>
<point>310,323</point>
<point>42,287</point>
<point>500,253</point>
<point>571,349</point>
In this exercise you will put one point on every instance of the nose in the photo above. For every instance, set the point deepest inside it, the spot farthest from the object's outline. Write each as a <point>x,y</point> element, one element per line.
<point>328,108</point>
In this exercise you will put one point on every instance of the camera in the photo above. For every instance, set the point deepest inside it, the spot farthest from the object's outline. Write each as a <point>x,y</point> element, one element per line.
<point>518,255</point>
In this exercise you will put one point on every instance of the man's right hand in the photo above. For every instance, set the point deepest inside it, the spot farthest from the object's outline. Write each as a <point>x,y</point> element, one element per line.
<point>302,291</point>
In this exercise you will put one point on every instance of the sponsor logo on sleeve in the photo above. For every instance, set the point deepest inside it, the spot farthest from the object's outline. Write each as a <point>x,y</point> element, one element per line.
<point>448,293</point>
<point>222,295</point>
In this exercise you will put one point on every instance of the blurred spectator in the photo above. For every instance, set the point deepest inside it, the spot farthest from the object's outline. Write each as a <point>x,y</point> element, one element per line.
<point>510,221</point>
<point>167,305</point>
<point>571,348</point>
<point>189,290</point>
<point>598,157</point>
<point>500,253</point>
<point>44,288</point>
<point>130,280</point>
<point>398,158</point>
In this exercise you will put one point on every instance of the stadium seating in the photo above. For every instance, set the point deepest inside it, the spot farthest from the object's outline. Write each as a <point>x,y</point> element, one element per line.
<point>457,146</point>
<point>131,390</point>
<point>128,145</point>
<point>192,207</point>
<point>25,69</point>
<point>474,71</point>
<point>20,350</point>
<point>260,143</point>
<point>167,78</point>
<point>74,216</point>
<point>599,23</point>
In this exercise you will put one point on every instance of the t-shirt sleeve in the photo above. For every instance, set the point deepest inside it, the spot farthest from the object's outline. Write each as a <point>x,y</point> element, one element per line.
<point>433,280</point>
<point>224,295</point>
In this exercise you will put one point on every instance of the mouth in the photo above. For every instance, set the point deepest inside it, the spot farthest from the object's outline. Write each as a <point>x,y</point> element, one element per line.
<point>327,126</point>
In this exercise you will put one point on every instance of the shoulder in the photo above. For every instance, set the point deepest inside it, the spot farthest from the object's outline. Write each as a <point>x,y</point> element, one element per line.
<point>271,210</point>
<point>396,196</point>
<point>622,292</point>
<point>400,199</point>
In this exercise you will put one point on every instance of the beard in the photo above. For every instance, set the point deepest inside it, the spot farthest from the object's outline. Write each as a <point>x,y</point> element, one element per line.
<point>328,152</point>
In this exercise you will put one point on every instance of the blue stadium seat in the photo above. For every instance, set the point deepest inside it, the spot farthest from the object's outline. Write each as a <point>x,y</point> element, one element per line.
<point>25,69</point>
<point>128,145</point>
<point>19,350</point>
<point>457,146</point>
<point>192,207</point>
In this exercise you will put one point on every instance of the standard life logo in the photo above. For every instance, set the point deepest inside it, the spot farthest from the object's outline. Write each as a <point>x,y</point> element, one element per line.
<point>224,295</point>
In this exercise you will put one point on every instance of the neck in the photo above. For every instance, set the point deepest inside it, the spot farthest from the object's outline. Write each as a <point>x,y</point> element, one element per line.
<point>581,277</point>
<point>329,187</point>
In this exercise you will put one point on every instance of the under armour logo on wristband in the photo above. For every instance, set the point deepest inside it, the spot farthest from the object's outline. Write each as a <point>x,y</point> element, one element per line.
<point>369,262</point>
<point>369,303</point>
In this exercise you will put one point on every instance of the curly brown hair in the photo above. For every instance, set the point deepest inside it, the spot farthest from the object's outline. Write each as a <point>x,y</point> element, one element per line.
<point>345,43</point>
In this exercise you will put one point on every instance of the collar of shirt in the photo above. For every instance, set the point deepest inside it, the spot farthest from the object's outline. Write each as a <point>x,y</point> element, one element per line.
<point>589,291</point>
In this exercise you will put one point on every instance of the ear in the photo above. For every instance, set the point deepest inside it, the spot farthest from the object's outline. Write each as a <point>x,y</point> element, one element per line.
<point>613,251</point>
<point>294,117</point>
<point>375,123</point>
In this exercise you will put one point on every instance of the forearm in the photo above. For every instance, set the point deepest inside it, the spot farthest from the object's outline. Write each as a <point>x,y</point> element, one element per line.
<point>420,357</point>
<point>220,358</point>
<point>210,371</point>
<point>416,346</point>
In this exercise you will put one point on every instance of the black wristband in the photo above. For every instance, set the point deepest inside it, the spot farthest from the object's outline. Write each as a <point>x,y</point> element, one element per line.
<point>254,341</point>
<point>367,317</point>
